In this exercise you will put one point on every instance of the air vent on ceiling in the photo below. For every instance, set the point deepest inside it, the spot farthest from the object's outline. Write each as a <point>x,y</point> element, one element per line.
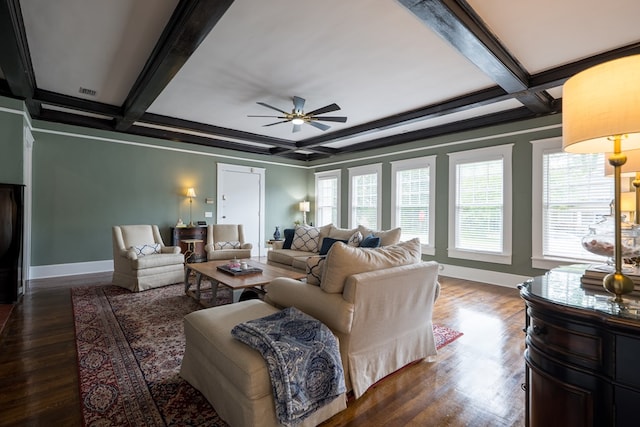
<point>85,91</point>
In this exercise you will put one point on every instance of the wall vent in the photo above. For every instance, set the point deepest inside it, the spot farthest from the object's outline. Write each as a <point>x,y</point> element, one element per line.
<point>85,91</point>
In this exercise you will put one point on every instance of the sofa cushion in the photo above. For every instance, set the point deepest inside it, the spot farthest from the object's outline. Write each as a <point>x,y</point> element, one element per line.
<point>370,241</point>
<point>343,261</point>
<point>341,233</point>
<point>306,238</point>
<point>315,267</point>
<point>355,239</point>
<point>288,237</point>
<point>287,256</point>
<point>148,249</point>
<point>387,237</point>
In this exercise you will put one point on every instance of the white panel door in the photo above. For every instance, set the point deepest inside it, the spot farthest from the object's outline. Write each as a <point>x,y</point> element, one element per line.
<point>241,201</point>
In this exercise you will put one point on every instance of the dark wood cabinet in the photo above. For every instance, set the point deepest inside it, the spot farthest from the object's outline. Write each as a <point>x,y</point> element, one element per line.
<point>11,241</point>
<point>581,355</point>
<point>194,251</point>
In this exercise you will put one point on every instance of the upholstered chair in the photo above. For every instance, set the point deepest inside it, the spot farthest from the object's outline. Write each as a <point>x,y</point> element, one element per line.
<point>141,260</point>
<point>226,241</point>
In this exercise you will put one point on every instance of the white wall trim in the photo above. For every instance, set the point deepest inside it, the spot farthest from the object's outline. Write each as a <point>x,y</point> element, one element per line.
<point>507,280</point>
<point>57,270</point>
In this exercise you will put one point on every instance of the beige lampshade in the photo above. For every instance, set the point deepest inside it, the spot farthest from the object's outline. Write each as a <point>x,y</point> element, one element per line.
<point>191,193</point>
<point>628,201</point>
<point>599,103</point>
<point>304,206</point>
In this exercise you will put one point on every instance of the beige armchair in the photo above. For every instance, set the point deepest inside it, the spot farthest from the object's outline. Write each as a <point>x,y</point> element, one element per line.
<point>226,241</point>
<point>141,260</point>
<point>378,302</point>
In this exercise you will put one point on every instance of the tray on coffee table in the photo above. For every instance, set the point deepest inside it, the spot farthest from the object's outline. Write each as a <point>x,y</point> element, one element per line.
<point>237,271</point>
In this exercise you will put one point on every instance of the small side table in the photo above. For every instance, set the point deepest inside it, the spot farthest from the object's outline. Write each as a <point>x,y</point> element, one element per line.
<point>191,247</point>
<point>271,242</point>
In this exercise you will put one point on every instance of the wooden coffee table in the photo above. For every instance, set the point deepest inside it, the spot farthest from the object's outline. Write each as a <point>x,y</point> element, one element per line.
<point>210,269</point>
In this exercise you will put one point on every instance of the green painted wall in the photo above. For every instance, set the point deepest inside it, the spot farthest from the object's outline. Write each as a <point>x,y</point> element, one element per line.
<point>82,186</point>
<point>11,141</point>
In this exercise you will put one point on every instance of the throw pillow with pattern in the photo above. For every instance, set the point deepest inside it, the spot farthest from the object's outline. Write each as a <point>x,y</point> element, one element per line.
<point>148,249</point>
<point>226,245</point>
<point>306,238</point>
<point>315,266</point>
<point>355,239</point>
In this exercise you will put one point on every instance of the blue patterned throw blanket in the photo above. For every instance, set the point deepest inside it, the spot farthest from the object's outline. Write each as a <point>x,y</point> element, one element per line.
<point>303,358</point>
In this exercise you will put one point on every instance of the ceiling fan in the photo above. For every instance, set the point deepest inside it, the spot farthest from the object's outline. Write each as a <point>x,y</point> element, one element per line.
<point>298,117</point>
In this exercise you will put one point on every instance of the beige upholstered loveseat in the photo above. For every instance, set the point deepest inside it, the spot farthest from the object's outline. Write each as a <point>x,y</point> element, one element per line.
<point>378,302</point>
<point>141,260</point>
<point>308,241</point>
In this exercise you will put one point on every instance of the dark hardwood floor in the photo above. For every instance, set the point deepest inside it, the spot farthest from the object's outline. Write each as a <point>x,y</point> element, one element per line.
<point>476,380</point>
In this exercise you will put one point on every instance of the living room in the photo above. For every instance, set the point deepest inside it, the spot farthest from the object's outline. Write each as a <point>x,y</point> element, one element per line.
<point>82,179</point>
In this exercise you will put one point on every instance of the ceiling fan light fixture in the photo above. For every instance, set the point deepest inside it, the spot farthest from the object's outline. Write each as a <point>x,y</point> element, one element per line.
<point>297,121</point>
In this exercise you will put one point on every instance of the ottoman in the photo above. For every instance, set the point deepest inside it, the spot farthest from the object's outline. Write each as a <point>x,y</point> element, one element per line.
<point>231,375</point>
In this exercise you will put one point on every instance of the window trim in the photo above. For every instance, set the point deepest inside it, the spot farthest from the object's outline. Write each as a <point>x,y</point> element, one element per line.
<point>503,152</point>
<point>366,170</point>
<point>337,174</point>
<point>428,248</point>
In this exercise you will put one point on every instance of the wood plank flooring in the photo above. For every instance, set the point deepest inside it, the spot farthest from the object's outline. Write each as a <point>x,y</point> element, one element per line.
<point>476,380</point>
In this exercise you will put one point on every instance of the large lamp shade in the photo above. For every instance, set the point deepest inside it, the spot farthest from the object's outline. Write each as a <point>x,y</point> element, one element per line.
<point>599,103</point>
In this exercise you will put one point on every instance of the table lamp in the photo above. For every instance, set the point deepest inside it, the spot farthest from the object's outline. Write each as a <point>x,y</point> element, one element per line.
<point>601,114</point>
<point>304,208</point>
<point>191,193</point>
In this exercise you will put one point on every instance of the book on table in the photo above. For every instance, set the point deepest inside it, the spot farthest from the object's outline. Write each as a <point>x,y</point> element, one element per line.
<point>594,274</point>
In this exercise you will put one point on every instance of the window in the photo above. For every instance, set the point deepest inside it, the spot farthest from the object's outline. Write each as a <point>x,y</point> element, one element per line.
<point>570,192</point>
<point>413,200</point>
<point>364,196</point>
<point>328,198</point>
<point>480,204</point>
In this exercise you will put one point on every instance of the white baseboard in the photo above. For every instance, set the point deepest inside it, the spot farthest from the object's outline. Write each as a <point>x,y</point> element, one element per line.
<point>484,276</point>
<point>57,270</point>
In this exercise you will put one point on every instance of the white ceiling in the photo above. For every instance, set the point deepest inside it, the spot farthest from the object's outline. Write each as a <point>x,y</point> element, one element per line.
<point>374,58</point>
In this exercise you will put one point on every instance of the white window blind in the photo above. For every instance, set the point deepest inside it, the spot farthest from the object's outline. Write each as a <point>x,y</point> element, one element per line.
<point>412,203</point>
<point>479,206</point>
<point>365,200</point>
<point>575,195</point>
<point>326,200</point>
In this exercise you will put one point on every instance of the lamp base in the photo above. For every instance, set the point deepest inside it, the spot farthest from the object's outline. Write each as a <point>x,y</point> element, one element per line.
<point>191,224</point>
<point>618,284</point>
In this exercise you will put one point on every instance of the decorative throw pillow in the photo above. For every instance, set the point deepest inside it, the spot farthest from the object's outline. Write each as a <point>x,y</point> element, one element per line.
<point>387,237</point>
<point>327,242</point>
<point>344,261</point>
<point>288,237</point>
<point>370,241</point>
<point>306,238</point>
<point>355,239</point>
<point>148,249</point>
<point>315,266</point>
<point>227,245</point>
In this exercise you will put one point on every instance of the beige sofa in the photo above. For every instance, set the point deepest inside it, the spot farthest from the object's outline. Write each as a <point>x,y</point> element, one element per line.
<point>297,258</point>
<point>378,302</point>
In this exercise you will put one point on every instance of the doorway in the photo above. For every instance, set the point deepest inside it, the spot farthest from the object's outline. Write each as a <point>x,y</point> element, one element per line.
<point>241,201</point>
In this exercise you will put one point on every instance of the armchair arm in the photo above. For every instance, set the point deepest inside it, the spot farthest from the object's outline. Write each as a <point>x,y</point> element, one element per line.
<point>330,309</point>
<point>129,254</point>
<point>209,248</point>
<point>246,246</point>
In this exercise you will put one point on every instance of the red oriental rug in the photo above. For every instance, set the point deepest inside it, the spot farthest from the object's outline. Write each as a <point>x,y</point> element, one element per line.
<point>130,347</point>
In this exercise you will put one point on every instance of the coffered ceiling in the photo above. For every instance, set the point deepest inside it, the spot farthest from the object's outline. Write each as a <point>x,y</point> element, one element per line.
<point>400,70</point>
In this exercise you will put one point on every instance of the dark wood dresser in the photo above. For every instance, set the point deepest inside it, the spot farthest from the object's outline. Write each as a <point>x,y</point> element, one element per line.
<point>194,252</point>
<point>582,354</point>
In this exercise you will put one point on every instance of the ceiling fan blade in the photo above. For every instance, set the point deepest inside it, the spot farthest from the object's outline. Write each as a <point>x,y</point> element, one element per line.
<point>331,119</point>
<point>276,123</point>
<point>298,104</point>
<point>327,109</point>
<point>272,107</point>
<point>319,125</point>
<point>297,128</point>
<point>275,117</point>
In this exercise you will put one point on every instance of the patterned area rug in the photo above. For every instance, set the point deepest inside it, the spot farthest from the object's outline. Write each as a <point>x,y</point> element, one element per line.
<point>130,346</point>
